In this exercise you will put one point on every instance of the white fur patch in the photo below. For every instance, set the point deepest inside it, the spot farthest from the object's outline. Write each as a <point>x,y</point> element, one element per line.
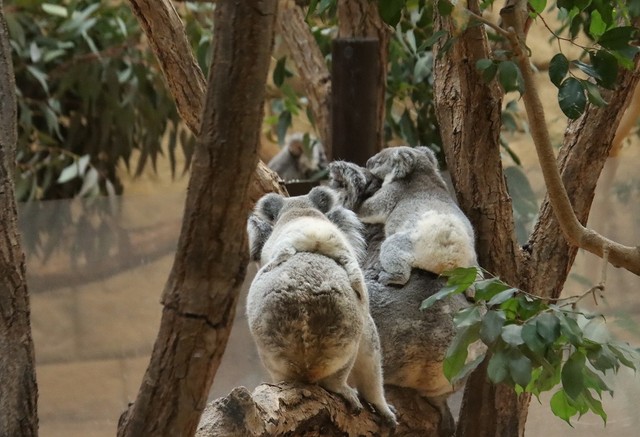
<point>441,242</point>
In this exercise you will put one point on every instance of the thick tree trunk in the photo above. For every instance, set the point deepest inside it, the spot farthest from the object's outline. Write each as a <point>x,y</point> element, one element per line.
<point>18,389</point>
<point>165,31</point>
<point>361,19</point>
<point>202,290</point>
<point>469,115</point>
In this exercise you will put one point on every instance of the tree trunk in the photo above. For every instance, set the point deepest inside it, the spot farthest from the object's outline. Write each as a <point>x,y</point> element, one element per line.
<point>163,27</point>
<point>361,19</point>
<point>202,290</point>
<point>18,388</point>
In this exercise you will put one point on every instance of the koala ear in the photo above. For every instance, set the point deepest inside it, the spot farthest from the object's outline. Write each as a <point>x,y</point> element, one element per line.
<point>269,206</point>
<point>259,231</point>
<point>428,153</point>
<point>323,198</point>
<point>404,163</point>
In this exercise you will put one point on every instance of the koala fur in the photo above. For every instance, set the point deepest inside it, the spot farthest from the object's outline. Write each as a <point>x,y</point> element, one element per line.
<point>414,342</point>
<point>424,227</point>
<point>352,183</point>
<point>308,307</point>
<point>293,162</point>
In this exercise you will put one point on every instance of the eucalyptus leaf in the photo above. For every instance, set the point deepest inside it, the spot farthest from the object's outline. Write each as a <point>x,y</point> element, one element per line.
<point>558,68</point>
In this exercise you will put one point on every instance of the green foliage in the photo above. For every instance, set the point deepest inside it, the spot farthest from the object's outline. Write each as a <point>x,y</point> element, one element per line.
<point>534,344</point>
<point>88,94</point>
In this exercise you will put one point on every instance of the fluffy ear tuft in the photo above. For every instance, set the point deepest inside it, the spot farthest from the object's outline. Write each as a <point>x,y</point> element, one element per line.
<point>323,198</point>
<point>259,231</point>
<point>403,163</point>
<point>269,206</point>
<point>428,153</point>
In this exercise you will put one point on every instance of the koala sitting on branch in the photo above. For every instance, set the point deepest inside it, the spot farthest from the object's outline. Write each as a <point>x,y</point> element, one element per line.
<point>423,225</point>
<point>308,306</point>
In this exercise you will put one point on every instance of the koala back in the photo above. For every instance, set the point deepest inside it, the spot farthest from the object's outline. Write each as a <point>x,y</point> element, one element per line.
<point>304,317</point>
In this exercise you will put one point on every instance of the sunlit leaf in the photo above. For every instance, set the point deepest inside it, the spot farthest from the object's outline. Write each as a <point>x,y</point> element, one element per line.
<point>56,10</point>
<point>561,406</point>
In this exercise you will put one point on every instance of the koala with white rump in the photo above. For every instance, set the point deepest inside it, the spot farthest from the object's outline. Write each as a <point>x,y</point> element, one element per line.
<point>308,306</point>
<point>424,228</point>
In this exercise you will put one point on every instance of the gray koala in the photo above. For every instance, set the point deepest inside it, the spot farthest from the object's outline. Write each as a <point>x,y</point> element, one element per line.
<point>308,307</point>
<point>297,162</point>
<point>424,226</point>
<point>414,342</point>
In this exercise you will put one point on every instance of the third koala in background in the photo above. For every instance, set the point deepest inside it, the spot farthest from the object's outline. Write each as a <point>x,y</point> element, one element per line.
<point>423,225</point>
<point>308,306</point>
<point>295,161</point>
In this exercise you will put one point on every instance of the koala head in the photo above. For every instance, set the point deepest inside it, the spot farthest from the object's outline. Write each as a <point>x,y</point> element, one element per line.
<point>310,157</point>
<point>400,162</point>
<point>272,207</point>
<point>352,183</point>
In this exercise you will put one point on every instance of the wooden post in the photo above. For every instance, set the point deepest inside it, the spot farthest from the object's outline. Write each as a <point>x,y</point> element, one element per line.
<point>354,99</point>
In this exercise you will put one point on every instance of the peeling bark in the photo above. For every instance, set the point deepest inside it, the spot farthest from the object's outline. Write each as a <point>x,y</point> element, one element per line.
<point>18,388</point>
<point>202,290</point>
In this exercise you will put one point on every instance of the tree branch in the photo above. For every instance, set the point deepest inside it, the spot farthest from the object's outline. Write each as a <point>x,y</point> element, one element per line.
<point>311,65</point>
<point>308,410</point>
<point>201,293</point>
<point>575,233</point>
<point>165,31</point>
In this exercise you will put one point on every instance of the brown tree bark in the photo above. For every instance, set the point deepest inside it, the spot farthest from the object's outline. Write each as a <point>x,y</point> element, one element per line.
<point>469,117</point>
<point>310,411</point>
<point>18,388</point>
<point>586,146</point>
<point>361,19</point>
<point>202,290</point>
<point>311,66</point>
<point>165,31</point>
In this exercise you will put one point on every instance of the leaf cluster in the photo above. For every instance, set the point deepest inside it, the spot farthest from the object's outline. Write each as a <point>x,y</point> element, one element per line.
<point>533,344</point>
<point>88,95</point>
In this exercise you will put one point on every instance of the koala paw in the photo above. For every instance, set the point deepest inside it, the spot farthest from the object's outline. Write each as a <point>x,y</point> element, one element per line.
<point>389,416</point>
<point>351,396</point>
<point>387,278</point>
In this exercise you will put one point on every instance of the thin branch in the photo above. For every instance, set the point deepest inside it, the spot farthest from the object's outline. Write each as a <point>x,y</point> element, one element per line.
<point>575,233</point>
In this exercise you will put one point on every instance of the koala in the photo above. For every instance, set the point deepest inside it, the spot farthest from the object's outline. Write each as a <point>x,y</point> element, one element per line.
<point>424,227</point>
<point>352,183</point>
<point>295,161</point>
<point>308,306</point>
<point>413,342</point>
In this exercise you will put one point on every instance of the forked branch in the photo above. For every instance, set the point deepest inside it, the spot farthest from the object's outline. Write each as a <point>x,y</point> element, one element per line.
<point>576,234</point>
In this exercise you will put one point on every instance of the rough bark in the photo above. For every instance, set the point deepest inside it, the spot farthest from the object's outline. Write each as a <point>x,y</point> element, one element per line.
<point>18,388</point>
<point>469,115</point>
<point>311,66</point>
<point>361,19</point>
<point>202,290</point>
<point>165,31</point>
<point>310,411</point>
<point>586,146</point>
